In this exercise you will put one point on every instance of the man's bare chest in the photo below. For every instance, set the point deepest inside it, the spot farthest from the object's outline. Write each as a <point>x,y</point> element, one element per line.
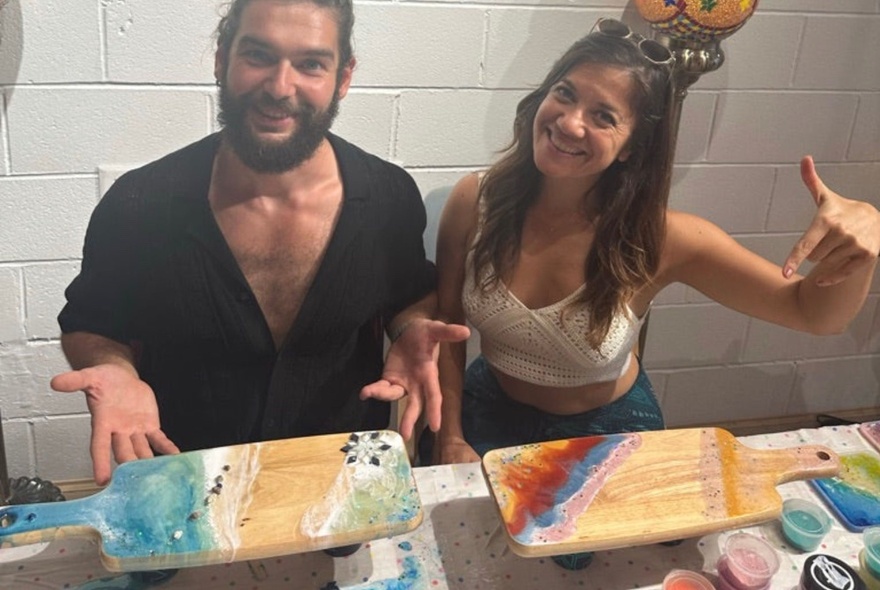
<point>280,258</point>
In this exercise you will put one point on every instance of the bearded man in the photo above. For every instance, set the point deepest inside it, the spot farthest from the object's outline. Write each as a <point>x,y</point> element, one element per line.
<point>237,290</point>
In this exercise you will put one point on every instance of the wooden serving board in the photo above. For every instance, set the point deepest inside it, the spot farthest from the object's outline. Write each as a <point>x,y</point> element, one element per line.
<point>236,503</point>
<point>605,492</point>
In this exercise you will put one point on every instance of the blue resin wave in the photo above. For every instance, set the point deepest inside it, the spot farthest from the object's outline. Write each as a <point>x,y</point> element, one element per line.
<point>855,494</point>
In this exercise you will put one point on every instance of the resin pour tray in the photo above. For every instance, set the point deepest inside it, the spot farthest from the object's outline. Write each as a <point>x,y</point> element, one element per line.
<point>236,503</point>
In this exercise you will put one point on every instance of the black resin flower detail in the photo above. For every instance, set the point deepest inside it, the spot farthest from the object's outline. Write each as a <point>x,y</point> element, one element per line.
<point>33,490</point>
<point>365,447</point>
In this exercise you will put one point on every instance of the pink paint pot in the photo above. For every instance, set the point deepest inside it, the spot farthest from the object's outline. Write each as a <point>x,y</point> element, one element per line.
<point>747,563</point>
<point>686,580</point>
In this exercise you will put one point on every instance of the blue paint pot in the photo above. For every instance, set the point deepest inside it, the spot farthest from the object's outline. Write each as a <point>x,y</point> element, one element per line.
<point>871,582</point>
<point>804,524</point>
<point>871,539</point>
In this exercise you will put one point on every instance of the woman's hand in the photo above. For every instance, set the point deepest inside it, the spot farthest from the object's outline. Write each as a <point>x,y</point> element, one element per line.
<point>843,237</point>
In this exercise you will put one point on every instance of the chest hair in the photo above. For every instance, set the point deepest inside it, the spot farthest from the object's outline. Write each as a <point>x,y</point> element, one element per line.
<point>279,255</point>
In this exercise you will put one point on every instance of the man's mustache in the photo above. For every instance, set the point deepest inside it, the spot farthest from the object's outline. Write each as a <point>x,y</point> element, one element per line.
<point>286,107</point>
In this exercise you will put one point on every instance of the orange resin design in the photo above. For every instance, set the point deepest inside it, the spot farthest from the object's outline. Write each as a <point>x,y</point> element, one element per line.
<point>546,487</point>
<point>535,483</point>
<point>730,479</point>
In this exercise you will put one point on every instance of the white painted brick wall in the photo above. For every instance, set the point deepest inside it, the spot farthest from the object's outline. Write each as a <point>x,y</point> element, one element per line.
<point>723,203</point>
<point>62,42</point>
<point>772,126</point>
<point>865,144</point>
<point>853,63</point>
<point>693,135</point>
<point>743,392</point>
<point>432,122</point>
<point>44,296</point>
<point>89,89</point>
<point>394,49</point>
<point>75,129</point>
<point>44,217</point>
<point>367,119</point>
<point>11,305</point>
<point>159,42</point>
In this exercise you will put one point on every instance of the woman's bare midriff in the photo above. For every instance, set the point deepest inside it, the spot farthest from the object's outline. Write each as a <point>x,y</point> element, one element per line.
<point>568,400</point>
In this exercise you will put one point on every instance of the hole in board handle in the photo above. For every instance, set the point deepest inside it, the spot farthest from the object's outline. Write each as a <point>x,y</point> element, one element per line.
<point>823,456</point>
<point>7,519</point>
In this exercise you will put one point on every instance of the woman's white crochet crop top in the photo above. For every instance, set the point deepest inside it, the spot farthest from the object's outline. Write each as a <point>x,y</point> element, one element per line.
<point>536,346</point>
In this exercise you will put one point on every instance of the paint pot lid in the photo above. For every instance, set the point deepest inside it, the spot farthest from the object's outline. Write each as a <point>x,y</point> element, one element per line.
<point>826,572</point>
<point>686,580</point>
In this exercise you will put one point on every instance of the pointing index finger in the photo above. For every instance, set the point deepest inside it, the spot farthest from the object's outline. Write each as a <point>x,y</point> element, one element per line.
<point>803,248</point>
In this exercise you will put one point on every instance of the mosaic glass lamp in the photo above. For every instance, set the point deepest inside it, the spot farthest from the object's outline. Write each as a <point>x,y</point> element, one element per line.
<point>699,21</point>
<point>693,30</point>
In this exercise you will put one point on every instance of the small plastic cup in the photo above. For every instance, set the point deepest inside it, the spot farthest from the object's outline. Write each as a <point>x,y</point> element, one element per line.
<point>686,580</point>
<point>871,539</point>
<point>747,563</point>
<point>871,583</point>
<point>804,524</point>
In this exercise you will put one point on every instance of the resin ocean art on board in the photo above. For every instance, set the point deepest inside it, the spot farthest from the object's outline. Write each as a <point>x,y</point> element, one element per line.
<point>548,486</point>
<point>610,491</point>
<point>375,483</point>
<point>854,495</point>
<point>176,504</point>
<point>239,502</point>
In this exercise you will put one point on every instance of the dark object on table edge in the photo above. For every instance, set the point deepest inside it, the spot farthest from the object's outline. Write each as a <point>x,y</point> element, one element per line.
<point>33,490</point>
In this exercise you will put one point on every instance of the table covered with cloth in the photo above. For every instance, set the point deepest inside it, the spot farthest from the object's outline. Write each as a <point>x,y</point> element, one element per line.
<point>459,546</point>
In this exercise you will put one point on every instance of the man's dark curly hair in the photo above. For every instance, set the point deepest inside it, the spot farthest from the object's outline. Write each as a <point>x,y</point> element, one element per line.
<point>231,20</point>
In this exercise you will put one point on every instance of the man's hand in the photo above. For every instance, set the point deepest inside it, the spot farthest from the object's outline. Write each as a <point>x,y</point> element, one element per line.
<point>844,235</point>
<point>411,370</point>
<point>125,416</point>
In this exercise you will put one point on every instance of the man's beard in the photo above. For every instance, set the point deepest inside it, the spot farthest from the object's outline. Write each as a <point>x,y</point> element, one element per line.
<point>272,157</point>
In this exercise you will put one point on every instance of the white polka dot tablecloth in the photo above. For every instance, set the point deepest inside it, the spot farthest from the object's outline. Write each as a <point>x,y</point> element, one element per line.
<point>458,546</point>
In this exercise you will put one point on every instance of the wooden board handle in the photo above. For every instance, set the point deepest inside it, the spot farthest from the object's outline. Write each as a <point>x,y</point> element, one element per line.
<point>811,462</point>
<point>795,463</point>
<point>22,524</point>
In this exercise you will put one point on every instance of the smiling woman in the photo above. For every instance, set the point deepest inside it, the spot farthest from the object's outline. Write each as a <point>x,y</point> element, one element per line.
<point>591,100</point>
<point>557,251</point>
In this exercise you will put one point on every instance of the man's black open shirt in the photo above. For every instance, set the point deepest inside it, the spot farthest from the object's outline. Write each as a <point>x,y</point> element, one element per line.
<point>158,274</point>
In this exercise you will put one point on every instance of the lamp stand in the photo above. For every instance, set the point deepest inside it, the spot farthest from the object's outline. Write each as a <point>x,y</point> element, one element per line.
<point>692,60</point>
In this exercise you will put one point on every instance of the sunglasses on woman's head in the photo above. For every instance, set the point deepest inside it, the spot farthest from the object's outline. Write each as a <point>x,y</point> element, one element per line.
<point>653,51</point>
